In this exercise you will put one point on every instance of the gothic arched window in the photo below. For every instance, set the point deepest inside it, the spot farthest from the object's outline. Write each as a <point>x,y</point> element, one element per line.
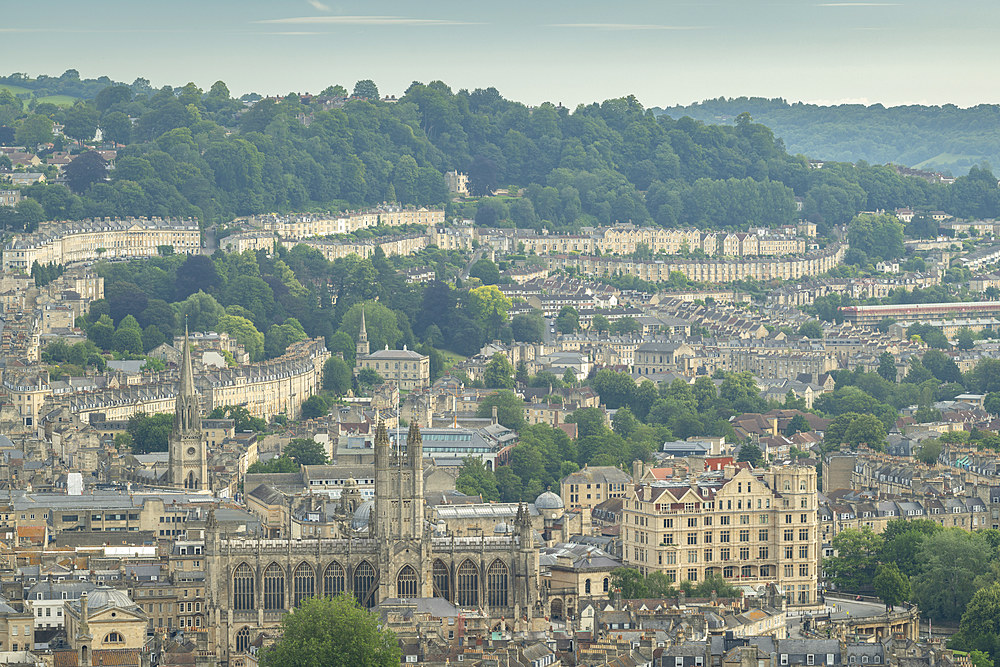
<point>243,640</point>
<point>334,581</point>
<point>442,580</point>
<point>243,588</point>
<point>468,585</point>
<point>497,583</point>
<point>304,579</point>
<point>406,583</point>
<point>365,584</point>
<point>274,588</point>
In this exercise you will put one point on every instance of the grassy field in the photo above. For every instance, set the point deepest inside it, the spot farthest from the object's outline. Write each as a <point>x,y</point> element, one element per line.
<point>58,100</point>
<point>450,359</point>
<point>17,90</point>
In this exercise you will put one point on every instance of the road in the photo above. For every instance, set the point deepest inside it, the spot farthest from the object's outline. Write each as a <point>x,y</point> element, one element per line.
<point>840,608</point>
<point>476,256</point>
<point>549,335</point>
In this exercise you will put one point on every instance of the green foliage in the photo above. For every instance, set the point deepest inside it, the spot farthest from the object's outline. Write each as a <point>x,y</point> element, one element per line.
<point>333,632</point>
<point>486,271</point>
<point>568,320</point>
<point>891,585</point>
<point>797,424</point>
<point>854,566</point>
<point>369,377</point>
<point>929,451</point>
<point>887,367</point>
<point>245,333</point>
<point>242,419</point>
<point>874,237</point>
<point>752,454</point>
<point>336,376</point>
<point>811,329</point>
<point>306,452</point>
<point>279,464</point>
<point>950,561</point>
<point>854,429</point>
<point>510,408</point>
<point>499,373</point>
<point>150,433</point>
<point>315,406</point>
<point>475,479</point>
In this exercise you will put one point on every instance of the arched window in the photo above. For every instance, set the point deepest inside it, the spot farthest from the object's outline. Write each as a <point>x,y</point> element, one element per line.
<point>305,583</point>
<point>274,588</point>
<point>334,581</point>
<point>802,485</point>
<point>406,583</point>
<point>442,580</point>
<point>788,485</point>
<point>468,585</point>
<point>243,588</point>
<point>746,571</point>
<point>607,584</point>
<point>497,583</point>
<point>864,659</point>
<point>114,638</point>
<point>586,587</point>
<point>243,640</point>
<point>365,584</point>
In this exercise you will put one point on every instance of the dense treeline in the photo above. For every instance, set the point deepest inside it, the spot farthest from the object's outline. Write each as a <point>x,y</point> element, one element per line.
<point>188,152</point>
<point>945,138</point>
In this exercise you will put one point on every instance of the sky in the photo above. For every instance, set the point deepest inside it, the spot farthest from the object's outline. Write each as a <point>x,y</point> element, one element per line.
<point>665,52</point>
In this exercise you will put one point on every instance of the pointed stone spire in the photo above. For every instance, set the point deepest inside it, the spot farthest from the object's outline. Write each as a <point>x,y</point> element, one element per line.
<point>363,347</point>
<point>415,442</point>
<point>381,434</point>
<point>187,373</point>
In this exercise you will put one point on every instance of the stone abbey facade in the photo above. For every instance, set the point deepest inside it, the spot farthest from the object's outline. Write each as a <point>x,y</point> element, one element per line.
<point>390,551</point>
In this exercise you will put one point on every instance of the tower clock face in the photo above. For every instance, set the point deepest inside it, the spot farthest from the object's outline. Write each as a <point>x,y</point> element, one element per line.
<point>190,451</point>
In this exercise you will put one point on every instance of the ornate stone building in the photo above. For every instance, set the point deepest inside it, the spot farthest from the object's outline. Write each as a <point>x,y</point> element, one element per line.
<point>390,551</point>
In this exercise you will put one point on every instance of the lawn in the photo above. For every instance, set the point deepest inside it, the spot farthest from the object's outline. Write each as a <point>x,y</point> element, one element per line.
<point>17,90</point>
<point>58,100</point>
<point>450,359</point>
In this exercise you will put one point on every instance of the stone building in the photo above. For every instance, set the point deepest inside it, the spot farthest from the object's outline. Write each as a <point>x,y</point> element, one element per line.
<point>392,551</point>
<point>407,369</point>
<point>746,527</point>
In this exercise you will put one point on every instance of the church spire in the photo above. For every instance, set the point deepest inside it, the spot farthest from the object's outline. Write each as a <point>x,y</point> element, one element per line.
<point>363,346</point>
<point>187,374</point>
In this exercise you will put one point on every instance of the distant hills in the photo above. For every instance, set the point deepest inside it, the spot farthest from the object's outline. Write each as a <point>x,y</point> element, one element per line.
<point>938,138</point>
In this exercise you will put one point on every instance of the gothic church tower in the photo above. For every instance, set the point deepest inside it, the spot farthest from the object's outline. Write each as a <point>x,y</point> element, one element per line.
<point>188,459</point>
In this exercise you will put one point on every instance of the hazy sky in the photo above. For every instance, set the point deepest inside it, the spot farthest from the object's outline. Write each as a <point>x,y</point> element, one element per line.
<point>570,51</point>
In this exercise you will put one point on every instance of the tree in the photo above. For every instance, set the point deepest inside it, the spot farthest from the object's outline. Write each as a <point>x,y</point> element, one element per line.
<point>35,129</point>
<point>150,433</point>
<point>979,629</point>
<point>475,479</point>
<point>615,389</point>
<point>855,430</point>
<point>741,390</point>
<point>624,422</point>
<point>853,568</point>
<point>116,128</point>
<point>879,236</point>
<point>245,333</point>
<point>489,307</point>
<point>483,179</point>
<point>891,585</point>
<point>569,377</point>
<point>887,367</point>
<point>528,327</point>
<point>752,454</point>
<point>600,324</point>
<point>127,340</point>
<point>568,320</point>
<point>811,329</point>
<point>336,376</point>
<point>242,419</point>
<point>333,632</point>
<point>929,451</point>
<point>486,271</point>
<point>315,407</point>
<point>510,408</point>
<point>85,170</point>
<point>951,559</point>
<point>366,89</point>
<point>797,424</point>
<point>306,452</point>
<point>81,122</point>
<point>499,372</point>
<point>197,274</point>
<point>200,311</point>
<point>369,377</point>
<point>381,325</point>
<point>279,464</point>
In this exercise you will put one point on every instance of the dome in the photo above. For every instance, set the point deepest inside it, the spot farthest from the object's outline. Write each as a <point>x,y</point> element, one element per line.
<point>104,596</point>
<point>549,501</point>
<point>362,515</point>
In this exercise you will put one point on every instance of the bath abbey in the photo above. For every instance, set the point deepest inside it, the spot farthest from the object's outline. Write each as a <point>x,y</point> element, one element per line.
<point>388,550</point>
